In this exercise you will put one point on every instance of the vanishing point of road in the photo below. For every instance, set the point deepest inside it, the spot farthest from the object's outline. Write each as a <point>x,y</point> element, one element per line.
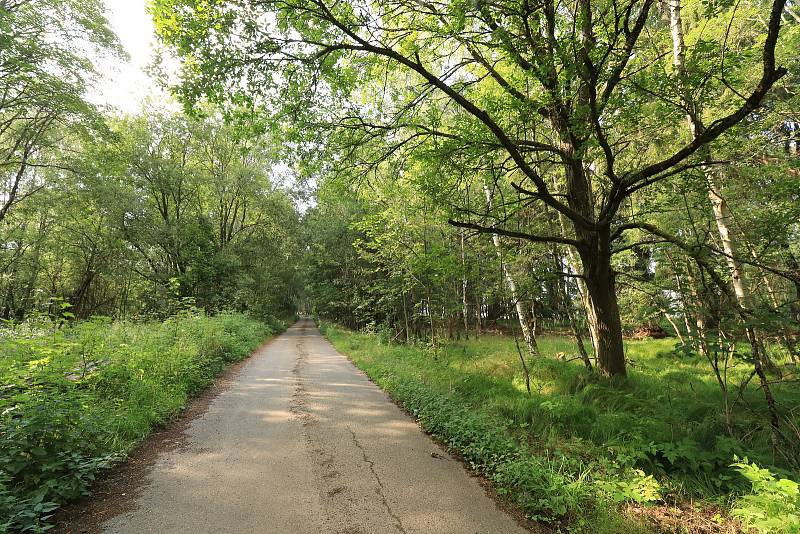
<point>302,442</point>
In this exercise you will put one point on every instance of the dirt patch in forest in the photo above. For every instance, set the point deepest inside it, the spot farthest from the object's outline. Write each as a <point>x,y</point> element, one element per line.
<point>683,517</point>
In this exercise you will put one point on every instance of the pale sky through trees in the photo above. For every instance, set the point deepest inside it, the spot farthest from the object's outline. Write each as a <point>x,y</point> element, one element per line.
<point>125,85</point>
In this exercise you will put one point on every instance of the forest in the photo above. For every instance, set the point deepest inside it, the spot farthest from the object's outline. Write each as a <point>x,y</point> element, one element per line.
<point>563,234</point>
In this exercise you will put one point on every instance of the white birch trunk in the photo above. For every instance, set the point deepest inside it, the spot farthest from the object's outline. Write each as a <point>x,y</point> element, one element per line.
<point>522,313</point>
<point>719,206</point>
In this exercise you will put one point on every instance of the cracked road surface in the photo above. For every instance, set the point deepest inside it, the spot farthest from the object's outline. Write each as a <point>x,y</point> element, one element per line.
<point>303,442</point>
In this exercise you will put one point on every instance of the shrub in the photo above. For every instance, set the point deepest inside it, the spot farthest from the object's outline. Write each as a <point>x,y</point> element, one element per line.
<point>773,506</point>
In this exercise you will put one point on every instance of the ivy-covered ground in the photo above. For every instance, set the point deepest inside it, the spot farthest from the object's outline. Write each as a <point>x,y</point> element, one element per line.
<point>76,398</point>
<point>652,453</point>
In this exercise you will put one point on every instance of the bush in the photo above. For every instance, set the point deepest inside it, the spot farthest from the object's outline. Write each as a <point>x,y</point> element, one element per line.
<point>773,506</point>
<point>75,399</point>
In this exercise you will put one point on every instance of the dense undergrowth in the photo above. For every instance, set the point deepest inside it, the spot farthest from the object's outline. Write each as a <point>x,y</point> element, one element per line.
<point>76,398</point>
<point>579,448</point>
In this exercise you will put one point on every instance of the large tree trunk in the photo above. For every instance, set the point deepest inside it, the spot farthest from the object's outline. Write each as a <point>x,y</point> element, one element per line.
<point>594,249</point>
<point>607,325</point>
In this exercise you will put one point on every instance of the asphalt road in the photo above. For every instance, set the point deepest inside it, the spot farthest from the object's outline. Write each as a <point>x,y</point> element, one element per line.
<point>303,442</point>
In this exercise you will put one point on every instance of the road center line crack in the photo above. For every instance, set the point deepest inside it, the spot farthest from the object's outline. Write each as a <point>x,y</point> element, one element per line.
<point>398,523</point>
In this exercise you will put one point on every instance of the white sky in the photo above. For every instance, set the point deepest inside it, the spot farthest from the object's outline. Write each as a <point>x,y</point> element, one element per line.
<point>125,85</point>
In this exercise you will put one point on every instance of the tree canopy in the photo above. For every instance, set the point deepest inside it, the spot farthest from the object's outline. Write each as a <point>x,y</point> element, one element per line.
<point>578,109</point>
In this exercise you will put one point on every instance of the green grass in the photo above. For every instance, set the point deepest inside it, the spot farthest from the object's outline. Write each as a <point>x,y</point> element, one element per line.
<point>578,442</point>
<point>75,399</point>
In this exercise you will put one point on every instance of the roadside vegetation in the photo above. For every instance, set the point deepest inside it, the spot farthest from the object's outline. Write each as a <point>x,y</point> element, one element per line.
<point>586,454</point>
<point>76,398</point>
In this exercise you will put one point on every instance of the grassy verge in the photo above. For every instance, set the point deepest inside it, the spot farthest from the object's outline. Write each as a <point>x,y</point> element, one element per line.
<point>75,399</point>
<point>579,450</point>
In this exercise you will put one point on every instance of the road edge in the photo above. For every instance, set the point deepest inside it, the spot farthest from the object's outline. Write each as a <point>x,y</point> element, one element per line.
<point>115,491</point>
<point>489,487</point>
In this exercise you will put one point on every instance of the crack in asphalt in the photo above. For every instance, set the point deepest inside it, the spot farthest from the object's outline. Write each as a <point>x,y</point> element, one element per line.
<point>398,524</point>
<point>320,457</point>
<point>299,409</point>
<point>297,406</point>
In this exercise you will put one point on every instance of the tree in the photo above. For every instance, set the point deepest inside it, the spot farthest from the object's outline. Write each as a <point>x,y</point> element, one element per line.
<point>160,212</point>
<point>570,85</point>
<point>44,74</point>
